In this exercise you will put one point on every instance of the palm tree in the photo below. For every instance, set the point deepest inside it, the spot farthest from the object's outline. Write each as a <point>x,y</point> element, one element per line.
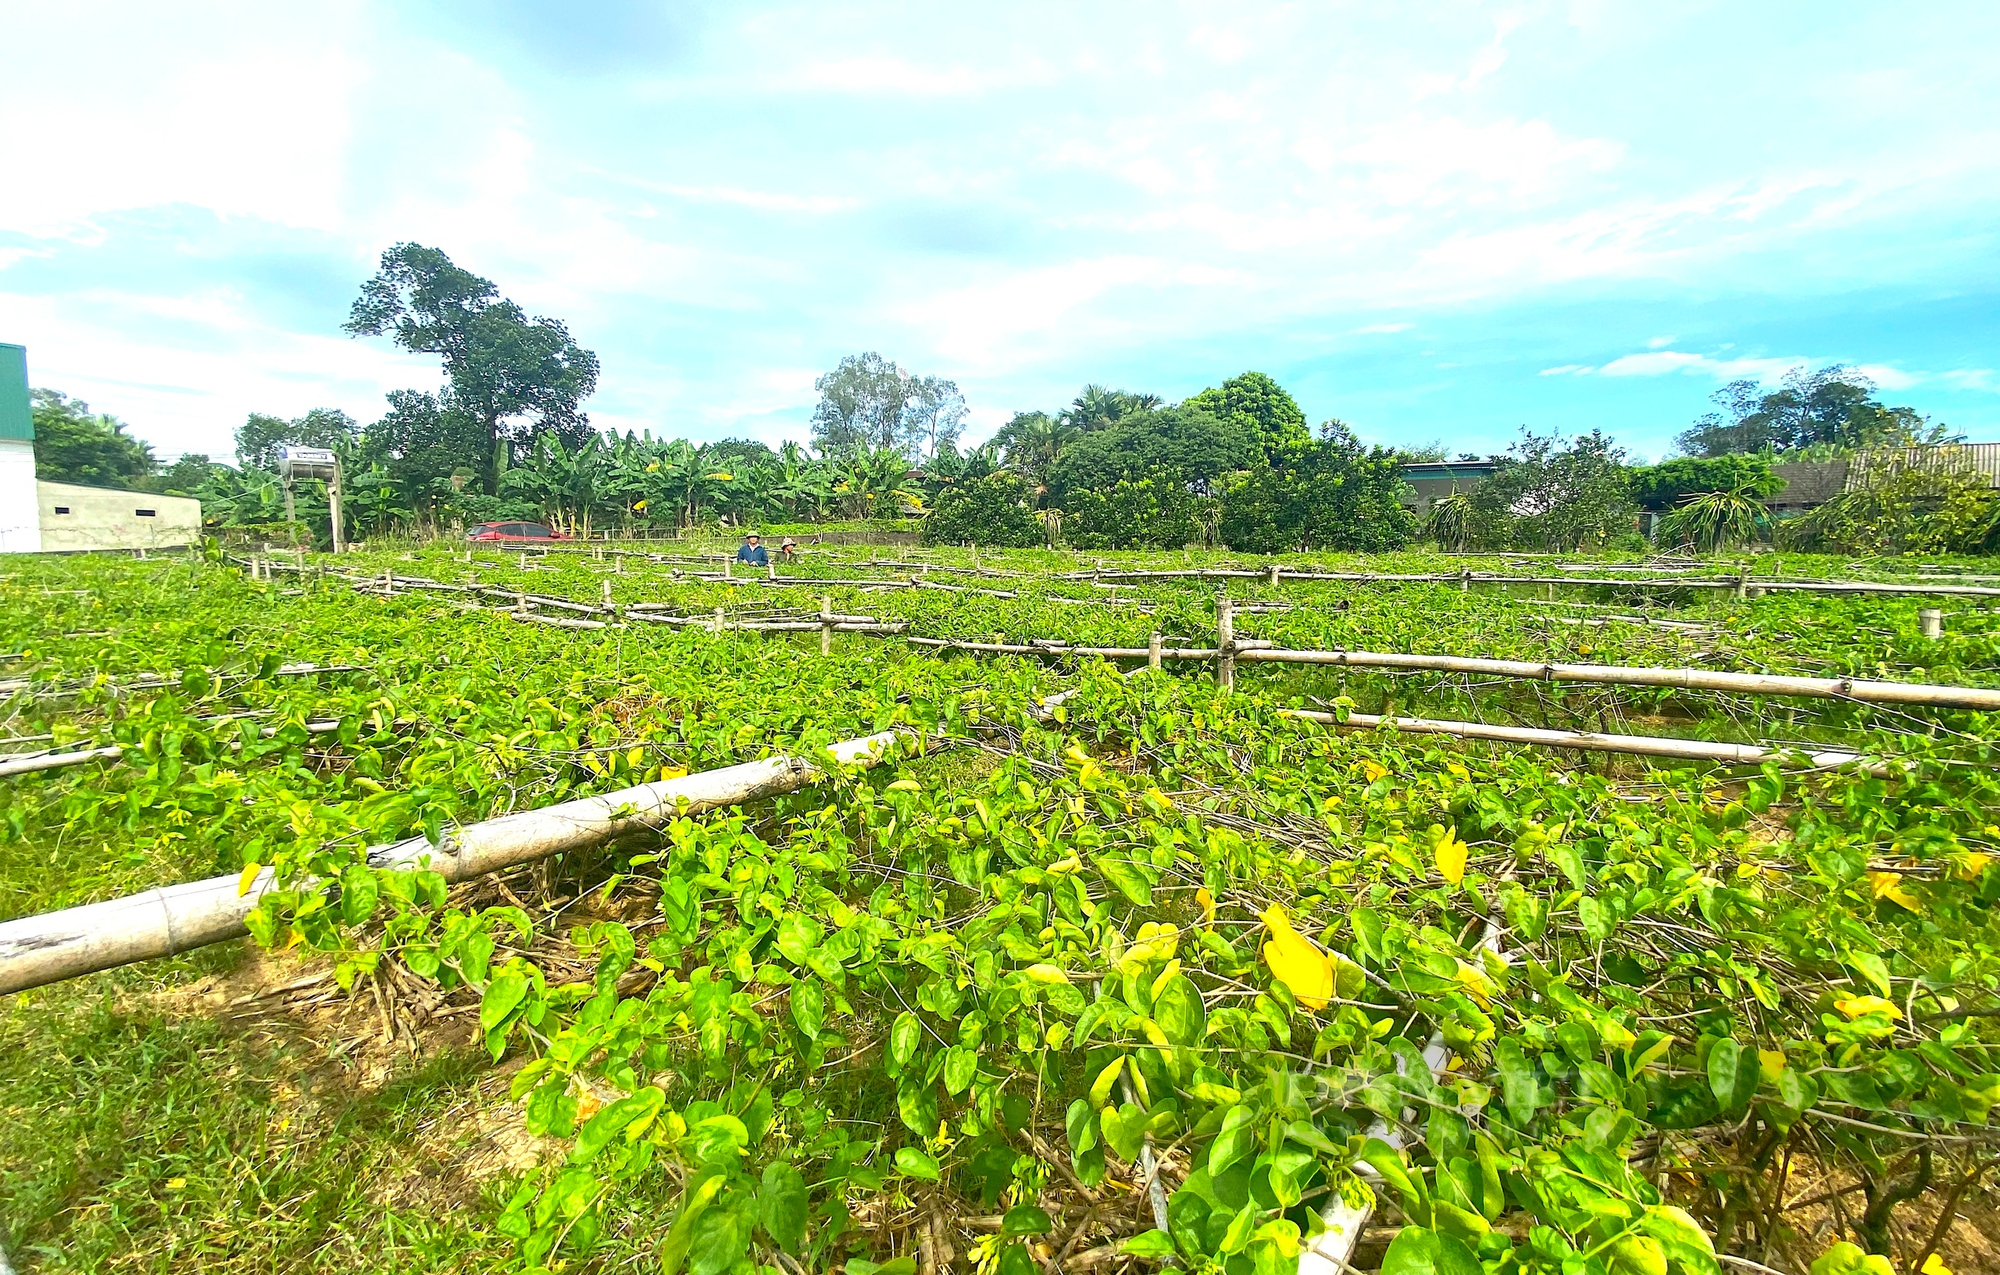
<point>1032,441</point>
<point>1450,522</point>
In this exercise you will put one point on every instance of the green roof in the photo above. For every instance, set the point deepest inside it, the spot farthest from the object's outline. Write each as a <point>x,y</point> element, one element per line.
<point>16,421</point>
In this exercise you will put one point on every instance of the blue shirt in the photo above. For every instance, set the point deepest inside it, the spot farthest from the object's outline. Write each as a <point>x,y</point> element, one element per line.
<point>754,555</point>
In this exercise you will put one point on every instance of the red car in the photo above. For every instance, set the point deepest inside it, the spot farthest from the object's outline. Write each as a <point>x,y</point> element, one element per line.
<point>514,532</point>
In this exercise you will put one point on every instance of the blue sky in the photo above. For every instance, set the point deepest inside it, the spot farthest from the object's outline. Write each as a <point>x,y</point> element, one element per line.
<point>1433,221</point>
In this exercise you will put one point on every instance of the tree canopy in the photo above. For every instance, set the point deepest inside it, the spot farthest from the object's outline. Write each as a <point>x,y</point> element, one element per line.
<point>1188,443</point>
<point>1833,408</point>
<point>868,403</point>
<point>75,445</point>
<point>1258,405</point>
<point>515,376</point>
<point>1552,493</point>
<point>1661,487</point>
<point>261,438</point>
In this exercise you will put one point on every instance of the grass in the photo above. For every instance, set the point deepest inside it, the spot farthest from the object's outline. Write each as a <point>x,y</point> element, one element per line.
<point>135,1138</point>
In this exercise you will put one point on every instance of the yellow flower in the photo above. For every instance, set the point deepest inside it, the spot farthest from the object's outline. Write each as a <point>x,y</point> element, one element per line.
<point>1856,1006</point>
<point>1889,885</point>
<point>1295,962</point>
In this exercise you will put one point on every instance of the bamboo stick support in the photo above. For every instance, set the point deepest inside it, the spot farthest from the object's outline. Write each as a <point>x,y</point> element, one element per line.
<point>1590,741</point>
<point>1154,649</point>
<point>38,950</point>
<point>1682,679</point>
<point>1225,643</point>
<point>825,625</point>
<point>1930,623</point>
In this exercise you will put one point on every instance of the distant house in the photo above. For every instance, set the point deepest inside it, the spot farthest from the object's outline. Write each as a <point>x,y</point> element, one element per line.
<point>38,516</point>
<point>1809,484</point>
<point>1433,480</point>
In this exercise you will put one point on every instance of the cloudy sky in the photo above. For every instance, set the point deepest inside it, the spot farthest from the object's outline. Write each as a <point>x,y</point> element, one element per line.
<point>1432,220</point>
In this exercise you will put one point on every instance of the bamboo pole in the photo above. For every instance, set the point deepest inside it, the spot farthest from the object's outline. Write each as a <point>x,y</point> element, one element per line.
<point>1464,579</point>
<point>1225,644</point>
<point>1590,741</point>
<point>38,950</point>
<point>112,752</point>
<point>1680,679</point>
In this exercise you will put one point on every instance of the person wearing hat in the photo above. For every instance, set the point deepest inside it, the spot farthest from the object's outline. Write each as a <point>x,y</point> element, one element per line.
<point>752,552</point>
<point>788,551</point>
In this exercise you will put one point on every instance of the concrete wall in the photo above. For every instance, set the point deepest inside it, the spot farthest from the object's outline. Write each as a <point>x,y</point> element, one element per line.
<point>75,517</point>
<point>20,519</point>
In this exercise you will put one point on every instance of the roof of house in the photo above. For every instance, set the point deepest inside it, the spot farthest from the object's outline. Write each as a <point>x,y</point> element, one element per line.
<point>1975,458</point>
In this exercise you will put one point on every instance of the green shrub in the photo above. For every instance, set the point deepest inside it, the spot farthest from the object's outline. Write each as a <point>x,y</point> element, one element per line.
<point>984,511</point>
<point>1156,512</point>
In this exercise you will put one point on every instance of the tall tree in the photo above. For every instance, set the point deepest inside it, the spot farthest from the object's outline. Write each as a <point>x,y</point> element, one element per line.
<point>75,445</point>
<point>860,406</point>
<point>1256,403</point>
<point>1032,442</point>
<point>933,415</point>
<point>1834,408</point>
<point>262,437</point>
<point>515,376</point>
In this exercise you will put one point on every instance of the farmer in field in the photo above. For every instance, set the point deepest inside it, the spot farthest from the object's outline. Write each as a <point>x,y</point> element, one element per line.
<point>788,551</point>
<point>753,552</point>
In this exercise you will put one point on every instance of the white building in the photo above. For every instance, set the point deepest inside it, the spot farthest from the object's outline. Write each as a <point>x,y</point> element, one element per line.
<point>69,517</point>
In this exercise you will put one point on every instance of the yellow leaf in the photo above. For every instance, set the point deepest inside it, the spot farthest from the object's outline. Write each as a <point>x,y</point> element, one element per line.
<point>249,877</point>
<point>1772,1062</point>
<point>1295,962</point>
<point>1207,903</point>
<point>1889,885</point>
<point>906,785</point>
<point>1934,1265</point>
<point>639,505</point>
<point>1856,1006</point>
<point>673,772</point>
<point>1450,854</point>
<point>634,756</point>
<point>1045,973</point>
<point>1373,771</point>
<point>1970,865</point>
<point>180,1184</point>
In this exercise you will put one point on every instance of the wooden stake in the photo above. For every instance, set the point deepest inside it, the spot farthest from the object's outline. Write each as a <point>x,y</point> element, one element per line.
<point>1153,645</point>
<point>1225,643</point>
<point>1930,623</point>
<point>826,626</point>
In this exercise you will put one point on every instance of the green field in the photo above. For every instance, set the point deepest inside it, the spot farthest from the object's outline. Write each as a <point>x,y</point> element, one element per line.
<point>965,1009</point>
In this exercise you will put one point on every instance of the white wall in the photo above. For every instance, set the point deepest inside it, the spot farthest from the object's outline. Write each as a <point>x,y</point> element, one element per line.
<point>106,518</point>
<point>20,520</point>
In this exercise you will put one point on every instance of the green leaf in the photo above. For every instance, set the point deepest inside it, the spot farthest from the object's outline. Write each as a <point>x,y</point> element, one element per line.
<point>1237,1139</point>
<point>912,1163</point>
<point>1026,1219</point>
<point>1081,1124</point>
<point>358,893</point>
<point>1127,879</point>
<point>503,993</point>
<point>629,1115</point>
<point>1687,1245</point>
<point>1240,1228</point>
<point>904,1038</point>
<point>1100,1088</point>
<point>808,1007</point>
<point>1732,1074</point>
<point>1417,1251</point>
<point>1178,1010</point>
<point>960,1066</point>
<point>798,936</point>
<point>781,1206</point>
<point>1156,1245</point>
<point>1517,1081</point>
<point>1124,1130</point>
<point>720,1237</point>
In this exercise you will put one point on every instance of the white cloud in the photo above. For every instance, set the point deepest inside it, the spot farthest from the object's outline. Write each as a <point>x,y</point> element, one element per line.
<point>1385,328</point>
<point>1664,362</point>
<point>1974,378</point>
<point>1568,369</point>
<point>1890,378</point>
<point>1660,342</point>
